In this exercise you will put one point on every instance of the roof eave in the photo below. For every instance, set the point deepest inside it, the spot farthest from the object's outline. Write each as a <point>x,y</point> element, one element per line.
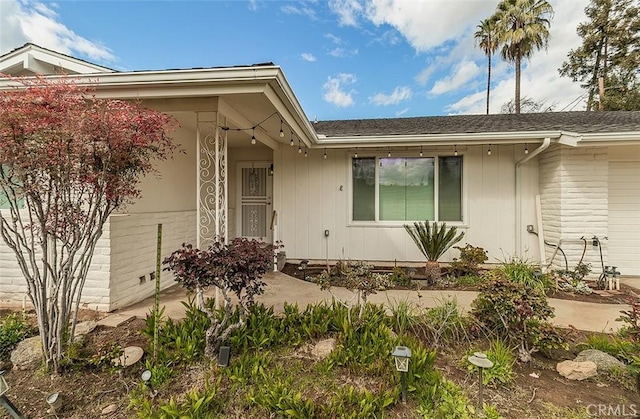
<point>461,139</point>
<point>601,139</point>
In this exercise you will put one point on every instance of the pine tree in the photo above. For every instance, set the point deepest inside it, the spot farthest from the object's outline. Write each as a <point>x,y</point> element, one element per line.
<point>610,51</point>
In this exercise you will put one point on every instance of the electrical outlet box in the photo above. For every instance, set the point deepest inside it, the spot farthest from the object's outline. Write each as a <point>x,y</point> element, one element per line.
<point>530,228</point>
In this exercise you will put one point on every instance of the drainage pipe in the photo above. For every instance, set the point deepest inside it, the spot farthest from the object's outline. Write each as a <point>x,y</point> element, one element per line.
<point>545,144</point>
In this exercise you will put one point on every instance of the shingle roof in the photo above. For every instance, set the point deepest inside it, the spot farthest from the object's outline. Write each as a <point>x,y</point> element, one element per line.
<point>578,122</point>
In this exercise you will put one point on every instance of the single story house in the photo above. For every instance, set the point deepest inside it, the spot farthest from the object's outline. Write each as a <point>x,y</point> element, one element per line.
<point>256,166</point>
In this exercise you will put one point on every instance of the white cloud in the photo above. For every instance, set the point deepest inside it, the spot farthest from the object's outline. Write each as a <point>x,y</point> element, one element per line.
<point>253,5</point>
<point>335,39</point>
<point>428,24</point>
<point>308,57</point>
<point>338,52</point>
<point>347,11</point>
<point>462,74</point>
<point>334,90</point>
<point>301,10</point>
<point>402,112</point>
<point>400,93</point>
<point>39,23</point>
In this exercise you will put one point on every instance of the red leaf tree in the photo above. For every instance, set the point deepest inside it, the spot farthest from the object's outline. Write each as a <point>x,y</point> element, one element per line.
<point>68,161</point>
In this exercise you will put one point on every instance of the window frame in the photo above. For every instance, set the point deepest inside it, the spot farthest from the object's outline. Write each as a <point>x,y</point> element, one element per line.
<point>436,189</point>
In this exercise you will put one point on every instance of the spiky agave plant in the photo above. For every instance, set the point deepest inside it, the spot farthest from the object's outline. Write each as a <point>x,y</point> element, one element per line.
<point>433,241</point>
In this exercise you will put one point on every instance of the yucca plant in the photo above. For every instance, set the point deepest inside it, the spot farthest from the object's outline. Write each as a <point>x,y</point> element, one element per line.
<point>433,241</point>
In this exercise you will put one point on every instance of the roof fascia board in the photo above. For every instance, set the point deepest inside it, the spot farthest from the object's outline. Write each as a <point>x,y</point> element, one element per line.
<point>290,97</point>
<point>308,137</point>
<point>67,63</point>
<point>438,139</point>
<point>612,138</point>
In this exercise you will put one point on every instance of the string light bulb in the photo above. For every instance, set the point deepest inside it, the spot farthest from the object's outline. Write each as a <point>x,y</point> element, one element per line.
<point>489,150</point>
<point>526,149</point>
<point>299,148</point>
<point>455,149</point>
<point>420,151</point>
<point>356,154</point>
<point>281,131</point>
<point>389,153</point>
<point>305,151</point>
<point>291,142</point>
<point>325,153</point>
<point>253,136</point>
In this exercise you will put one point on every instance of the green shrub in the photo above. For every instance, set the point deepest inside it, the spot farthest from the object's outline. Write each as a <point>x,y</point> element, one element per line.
<point>402,315</point>
<point>445,323</point>
<point>514,312</point>
<point>14,328</point>
<point>501,374</point>
<point>469,262</point>
<point>203,404</point>
<point>281,399</point>
<point>469,280</point>
<point>527,273</point>
<point>400,278</point>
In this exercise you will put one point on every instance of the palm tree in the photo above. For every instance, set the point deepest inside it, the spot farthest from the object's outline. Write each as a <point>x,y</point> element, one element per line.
<point>487,39</point>
<point>523,27</point>
<point>433,241</point>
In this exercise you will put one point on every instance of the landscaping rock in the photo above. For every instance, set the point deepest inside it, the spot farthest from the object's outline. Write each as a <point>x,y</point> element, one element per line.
<point>28,354</point>
<point>109,409</point>
<point>84,328</point>
<point>603,360</point>
<point>131,355</point>
<point>572,370</point>
<point>323,348</point>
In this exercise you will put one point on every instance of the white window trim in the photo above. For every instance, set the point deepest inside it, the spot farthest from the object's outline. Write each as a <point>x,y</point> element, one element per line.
<point>400,224</point>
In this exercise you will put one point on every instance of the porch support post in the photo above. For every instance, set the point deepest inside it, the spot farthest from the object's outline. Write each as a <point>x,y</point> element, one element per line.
<point>212,179</point>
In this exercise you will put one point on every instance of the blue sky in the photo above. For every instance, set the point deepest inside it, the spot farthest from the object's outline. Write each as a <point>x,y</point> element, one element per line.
<point>345,59</point>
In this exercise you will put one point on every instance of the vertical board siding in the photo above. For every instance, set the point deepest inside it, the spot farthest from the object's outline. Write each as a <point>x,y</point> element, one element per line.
<point>311,201</point>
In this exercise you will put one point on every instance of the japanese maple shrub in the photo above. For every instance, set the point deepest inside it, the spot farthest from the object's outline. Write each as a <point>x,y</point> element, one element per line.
<point>68,161</point>
<point>236,269</point>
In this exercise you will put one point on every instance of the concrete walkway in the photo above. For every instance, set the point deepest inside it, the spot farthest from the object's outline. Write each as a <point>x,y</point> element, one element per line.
<point>282,288</point>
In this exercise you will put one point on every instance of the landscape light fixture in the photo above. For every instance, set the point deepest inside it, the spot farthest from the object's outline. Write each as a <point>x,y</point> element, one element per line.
<point>401,356</point>
<point>4,401</point>
<point>481,361</point>
<point>146,379</point>
<point>223,356</point>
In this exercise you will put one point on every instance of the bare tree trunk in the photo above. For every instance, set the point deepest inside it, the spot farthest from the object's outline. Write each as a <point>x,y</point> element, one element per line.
<point>488,82</point>
<point>518,73</point>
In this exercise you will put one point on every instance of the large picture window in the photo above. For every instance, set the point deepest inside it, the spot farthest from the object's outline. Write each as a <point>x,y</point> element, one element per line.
<point>407,188</point>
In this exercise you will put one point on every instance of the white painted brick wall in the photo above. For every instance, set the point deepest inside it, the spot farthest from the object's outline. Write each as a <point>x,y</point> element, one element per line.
<point>133,251</point>
<point>573,185</point>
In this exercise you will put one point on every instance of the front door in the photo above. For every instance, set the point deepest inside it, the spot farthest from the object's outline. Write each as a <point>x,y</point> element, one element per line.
<point>255,186</point>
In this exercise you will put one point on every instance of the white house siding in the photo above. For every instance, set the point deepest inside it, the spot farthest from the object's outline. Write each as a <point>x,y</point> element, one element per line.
<point>573,189</point>
<point>312,195</point>
<point>624,209</point>
<point>13,287</point>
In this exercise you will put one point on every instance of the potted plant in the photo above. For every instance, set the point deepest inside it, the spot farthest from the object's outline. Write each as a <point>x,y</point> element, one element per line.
<point>433,241</point>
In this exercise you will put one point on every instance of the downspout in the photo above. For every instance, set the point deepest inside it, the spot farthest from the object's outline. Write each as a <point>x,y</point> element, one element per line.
<point>545,144</point>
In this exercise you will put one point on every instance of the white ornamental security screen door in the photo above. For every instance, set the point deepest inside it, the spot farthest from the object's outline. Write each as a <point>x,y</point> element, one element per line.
<point>255,191</point>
